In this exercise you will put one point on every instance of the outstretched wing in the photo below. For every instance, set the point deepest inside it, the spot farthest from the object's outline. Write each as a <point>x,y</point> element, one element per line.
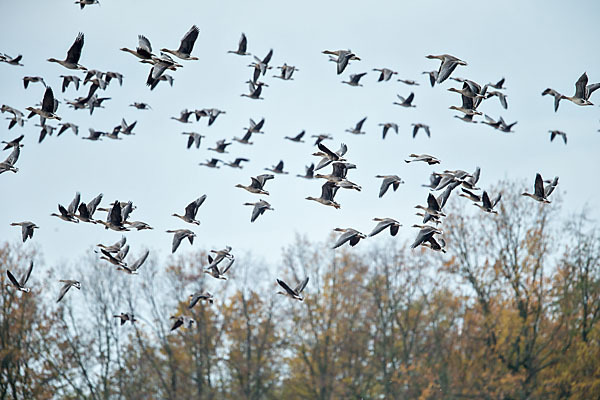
<point>301,286</point>
<point>74,52</point>
<point>286,287</point>
<point>187,43</point>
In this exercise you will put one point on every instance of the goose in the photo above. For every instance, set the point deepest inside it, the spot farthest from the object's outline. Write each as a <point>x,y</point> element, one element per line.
<point>193,139</point>
<point>328,191</point>
<point>144,49</point>
<point>310,172</point>
<point>32,79</point>
<point>67,79</point>
<point>563,135</point>
<point>221,254</point>
<point>405,102</point>
<point>17,117</point>
<point>504,127</point>
<point>167,78</point>
<point>286,72</point>
<point>212,163</point>
<point>255,91</point>
<point>431,160</point>
<point>159,66</point>
<point>434,245</point>
<point>354,79</point>
<point>261,66</point>
<point>20,285</point>
<point>433,206</point>
<point>487,205</point>
<point>220,147</point>
<point>257,184</point>
<point>473,92</point>
<point>186,45</point>
<point>557,97</point>
<point>432,76</point>
<point>259,208</point>
<point>124,317</point>
<point>410,82</point>
<point>255,127</point>
<point>195,297</point>
<point>94,135</point>
<point>46,130</point>
<point>27,228</point>
<point>67,285</point>
<point>329,156</point>
<point>184,116</point>
<point>191,210</point>
<point>68,214</point>
<point>11,160</point>
<point>385,74</point>
<point>179,235</point>
<point>84,215</point>
<point>425,234</point>
<point>470,181</point>
<point>116,217</point>
<point>394,180</point>
<point>384,223</point>
<point>321,137</point>
<point>114,134</point>
<point>245,139</point>
<point>182,321</point>
<point>498,85</point>
<point>138,225</point>
<point>132,268</point>
<point>352,236</point>
<point>211,113</point>
<point>73,55</point>
<point>237,163</point>
<point>419,126</point>
<point>470,195</point>
<point>110,75</point>
<point>242,47</point>
<point>127,129</point>
<point>118,258</point>
<point>10,60</point>
<point>541,192</point>
<point>434,180</point>
<point>387,126</point>
<point>293,293</point>
<point>83,3</point>
<point>466,118</point>
<point>583,91</point>
<point>501,96</point>
<point>451,177</point>
<point>343,58</point>
<point>48,107</point>
<point>114,248</point>
<point>141,106</point>
<point>297,138</point>
<point>68,125</point>
<point>491,122</point>
<point>448,65</point>
<point>213,268</point>
<point>357,130</point>
<point>278,169</point>
<point>13,143</point>
<point>94,75</point>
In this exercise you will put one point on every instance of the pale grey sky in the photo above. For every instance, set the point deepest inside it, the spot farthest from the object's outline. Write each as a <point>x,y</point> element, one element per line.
<point>534,45</point>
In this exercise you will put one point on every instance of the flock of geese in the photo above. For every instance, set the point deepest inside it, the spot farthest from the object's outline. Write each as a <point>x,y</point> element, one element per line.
<point>118,213</point>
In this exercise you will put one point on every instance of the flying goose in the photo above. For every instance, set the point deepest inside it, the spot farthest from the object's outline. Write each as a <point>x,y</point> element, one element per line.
<point>195,297</point>
<point>83,3</point>
<point>141,106</point>
<point>563,135</point>
<point>466,118</point>
<point>191,210</point>
<point>557,97</point>
<point>257,184</point>
<point>419,126</point>
<point>385,74</point>
<point>328,191</point>
<point>132,268</point>
<point>352,236</point>
<point>310,172</point>
<point>471,180</point>
<point>20,285</point>
<point>541,192</point>
<point>138,225</point>
<point>405,102</point>
<point>125,128</point>
<point>261,66</point>
<point>184,116</point>
<point>68,125</point>
<point>179,235</point>
<point>68,214</point>
<point>384,223</point>
<point>354,79</point>
<point>255,127</point>
<point>357,130</point>
<point>387,126</point>
<point>293,293</point>
<point>144,49</point>
<point>448,65</point>
<point>220,147</point>
<point>67,285</point>
<point>237,163</point>
<point>13,143</point>
<point>501,96</point>
<point>470,195</point>
<point>432,76</point>
<point>114,248</point>
<point>94,135</point>
<point>583,91</point>
<point>498,85</point>
<point>211,113</point>
<point>182,320</point>
<point>27,228</point>
<point>48,107</point>
<point>329,156</point>
<point>17,117</point>
<point>431,160</point>
<point>343,58</point>
<point>116,217</point>
<point>10,60</point>
<point>186,45</point>
<point>278,169</point>
<point>124,317</point>
<point>212,163</point>
<point>32,79</point>
<point>159,66</point>
<point>214,270</point>
<point>297,138</point>
<point>193,139</point>
<point>245,139</point>
<point>425,235</point>
<point>221,254</point>
<point>118,259</point>
<point>433,206</point>
<point>286,72</point>
<point>73,55</point>
<point>242,46</point>
<point>321,137</point>
<point>259,208</point>
<point>487,205</point>
<point>11,160</point>
<point>388,180</point>
<point>67,79</point>
<point>409,82</point>
<point>255,90</point>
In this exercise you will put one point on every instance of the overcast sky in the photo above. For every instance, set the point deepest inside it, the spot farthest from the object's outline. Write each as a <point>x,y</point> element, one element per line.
<point>534,45</point>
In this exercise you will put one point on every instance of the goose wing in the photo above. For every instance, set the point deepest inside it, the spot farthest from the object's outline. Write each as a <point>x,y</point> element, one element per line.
<point>187,42</point>
<point>344,237</point>
<point>144,46</point>
<point>48,101</point>
<point>301,286</point>
<point>286,288</point>
<point>580,86</point>
<point>27,274</point>
<point>13,279</point>
<point>138,263</point>
<point>74,204</point>
<point>485,199</point>
<point>74,52</point>
<point>243,44</point>
<point>92,205</point>
<point>380,226</point>
<point>64,291</point>
<point>539,186</point>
